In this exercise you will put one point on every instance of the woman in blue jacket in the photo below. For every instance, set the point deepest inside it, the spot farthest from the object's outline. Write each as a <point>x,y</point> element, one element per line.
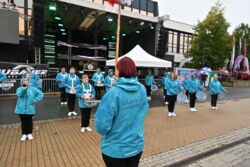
<point>164,85</point>
<point>98,79</point>
<point>194,85</point>
<point>71,83</point>
<point>109,80</point>
<point>85,92</point>
<point>185,82</point>
<point>149,82</point>
<point>215,88</point>
<point>60,79</point>
<point>120,118</point>
<point>2,77</point>
<point>173,88</point>
<point>28,96</point>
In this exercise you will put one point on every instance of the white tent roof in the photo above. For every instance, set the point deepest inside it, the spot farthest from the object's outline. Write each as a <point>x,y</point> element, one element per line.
<point>142,59</point>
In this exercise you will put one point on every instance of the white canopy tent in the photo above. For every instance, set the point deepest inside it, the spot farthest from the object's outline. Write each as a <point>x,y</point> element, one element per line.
<point>142,59</point>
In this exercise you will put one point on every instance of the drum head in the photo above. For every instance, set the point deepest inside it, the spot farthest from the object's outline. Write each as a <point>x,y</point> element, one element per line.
<point>201,96</point>
<point>181,98</point>
<point>91,103</point>
<point>154,88</point>
<point>223,96</point>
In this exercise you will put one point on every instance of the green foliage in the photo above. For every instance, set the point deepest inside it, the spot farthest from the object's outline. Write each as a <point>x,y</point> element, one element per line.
<point>212,43</point>
<point>242,32</point>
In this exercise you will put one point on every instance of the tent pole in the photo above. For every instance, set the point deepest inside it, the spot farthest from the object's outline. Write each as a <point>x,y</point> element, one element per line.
<point>118,38</point>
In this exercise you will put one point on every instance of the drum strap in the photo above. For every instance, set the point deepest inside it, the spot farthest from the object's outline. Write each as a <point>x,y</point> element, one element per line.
<point>72,80</point>
<point>87,91</point>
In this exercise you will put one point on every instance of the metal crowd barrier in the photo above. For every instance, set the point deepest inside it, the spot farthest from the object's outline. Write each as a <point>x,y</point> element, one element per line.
<point>49,85</point>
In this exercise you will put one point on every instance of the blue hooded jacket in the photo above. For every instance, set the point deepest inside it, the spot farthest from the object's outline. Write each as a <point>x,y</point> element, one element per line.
<point>2,76</point>
<point>27,98</point>
<point>173,87</point>
<point>83,89</point>
<point>150,80</point>
<point>215,87</point>
<point>194,85</point>
<point>185,83</point>
<point>60,78</point>
<point>97,77</point>
<point>108,81</point>
<point>120,118</point>
<point>72,80</point>
<point>164,82</point>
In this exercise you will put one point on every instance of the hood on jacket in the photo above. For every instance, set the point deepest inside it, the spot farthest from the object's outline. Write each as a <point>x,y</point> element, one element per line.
<point>110,70</point>
<point>128,84</point>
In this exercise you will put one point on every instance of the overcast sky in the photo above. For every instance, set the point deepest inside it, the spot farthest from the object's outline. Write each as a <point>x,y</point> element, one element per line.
<point>190,11</point>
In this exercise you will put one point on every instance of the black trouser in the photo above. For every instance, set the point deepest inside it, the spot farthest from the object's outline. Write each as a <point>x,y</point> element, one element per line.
<point>71,102</point>
<point>187,93</point>
<point>192,100</point>
<point>85,116</point>
<point>98,90</point>
<point>26,123</point>
<point>63,95</point>
<point>148,90</point>
<point>171,102</point>
<point>214,100</point>
<point>165,94</point>
<point>122,162</point>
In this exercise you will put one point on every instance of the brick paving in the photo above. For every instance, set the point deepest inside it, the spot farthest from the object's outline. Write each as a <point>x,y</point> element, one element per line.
<point>60,143</point>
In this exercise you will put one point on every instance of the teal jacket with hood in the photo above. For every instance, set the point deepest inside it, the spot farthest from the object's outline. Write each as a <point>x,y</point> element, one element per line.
<point>120,118</point>
<point>109,81</point>
<point>60,79</point>
<point>149,80</point>
<point>97,77</point>
<point>27,98</point>
<point>215,87</point>
<point>173,87</point>
<point>82,90</point>
<point>194,85</point>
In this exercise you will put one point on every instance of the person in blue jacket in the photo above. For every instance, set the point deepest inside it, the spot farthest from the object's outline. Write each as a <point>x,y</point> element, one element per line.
<point>173,88</point>
<point>2,77</point>
<point>194,85</point>
<point>164,85</point>
<point>109,80</point>
<point>185,82</point>
<point>71,83</point>
<point>60,79</point>
<point>215,88</point>
<point>120,118</point>
<point>98,79</point>
<point>28,96</point>
<point>85,92</point>
<point>149,82</point>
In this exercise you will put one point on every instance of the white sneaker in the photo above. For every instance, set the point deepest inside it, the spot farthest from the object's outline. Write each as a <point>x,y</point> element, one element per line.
<point>30,137</point>
<point>166,103</point>
<point>89,129</point>
<point>170,114</point>
<point>69,114</point>
<point>82,129</point>
<point>186,101</point>
<point>213,108</point>
<point>195,110</point>
<point>74,113</point>
<point>62,103</point>
<point>216,108</point>
<point>24,137</point>
<point>65,103</point>
<point>173,114</point>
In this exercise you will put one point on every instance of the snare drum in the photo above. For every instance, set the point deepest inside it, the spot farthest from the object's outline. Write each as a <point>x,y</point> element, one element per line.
<point>181,98</point>
<point>91,103</point>
<point>223,96</point>
<point>201,96</point>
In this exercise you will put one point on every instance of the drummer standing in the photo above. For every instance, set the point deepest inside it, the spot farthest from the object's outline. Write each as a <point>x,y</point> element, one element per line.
<point>185,85</point>
<point>71,83</point>
<point>109,80</point>
<point>60,79</point>
<point>98,79</point>
<point>215,88</point>
<point>149,82</point>
<point>194,86</point>
<point>85,92</point>
<point>164,82</point>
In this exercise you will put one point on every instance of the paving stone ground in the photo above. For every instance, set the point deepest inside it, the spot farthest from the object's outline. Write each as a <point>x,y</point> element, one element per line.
<point>60,143</point>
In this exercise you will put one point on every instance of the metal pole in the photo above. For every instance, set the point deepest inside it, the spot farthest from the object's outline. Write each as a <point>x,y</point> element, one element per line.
<point>118,38</point>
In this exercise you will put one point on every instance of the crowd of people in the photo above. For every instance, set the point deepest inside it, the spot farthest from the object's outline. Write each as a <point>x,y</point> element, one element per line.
<point>120,115</point>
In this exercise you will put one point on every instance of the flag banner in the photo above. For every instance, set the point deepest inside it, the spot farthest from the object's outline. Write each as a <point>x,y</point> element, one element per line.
<point>233,54</point>
<point>122,2</point>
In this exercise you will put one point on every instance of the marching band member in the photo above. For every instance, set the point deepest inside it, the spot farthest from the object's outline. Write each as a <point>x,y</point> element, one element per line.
<point>71,83</point>
<point>215,88</point>
<point>149,82</point>
<point>120,117</point>
<point>164,83</point>
<point>98,80</point>
<point>194,85</point>
<point>28,96</point>
<point>173,88</point>
<point>60,78</point>
<point>85,92</point>
<point>2,76</point>
<point>185,85</point>
<point>109,80</point>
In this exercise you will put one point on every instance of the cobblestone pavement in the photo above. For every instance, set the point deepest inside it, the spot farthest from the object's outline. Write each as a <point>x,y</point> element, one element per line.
<point>168,141</point>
